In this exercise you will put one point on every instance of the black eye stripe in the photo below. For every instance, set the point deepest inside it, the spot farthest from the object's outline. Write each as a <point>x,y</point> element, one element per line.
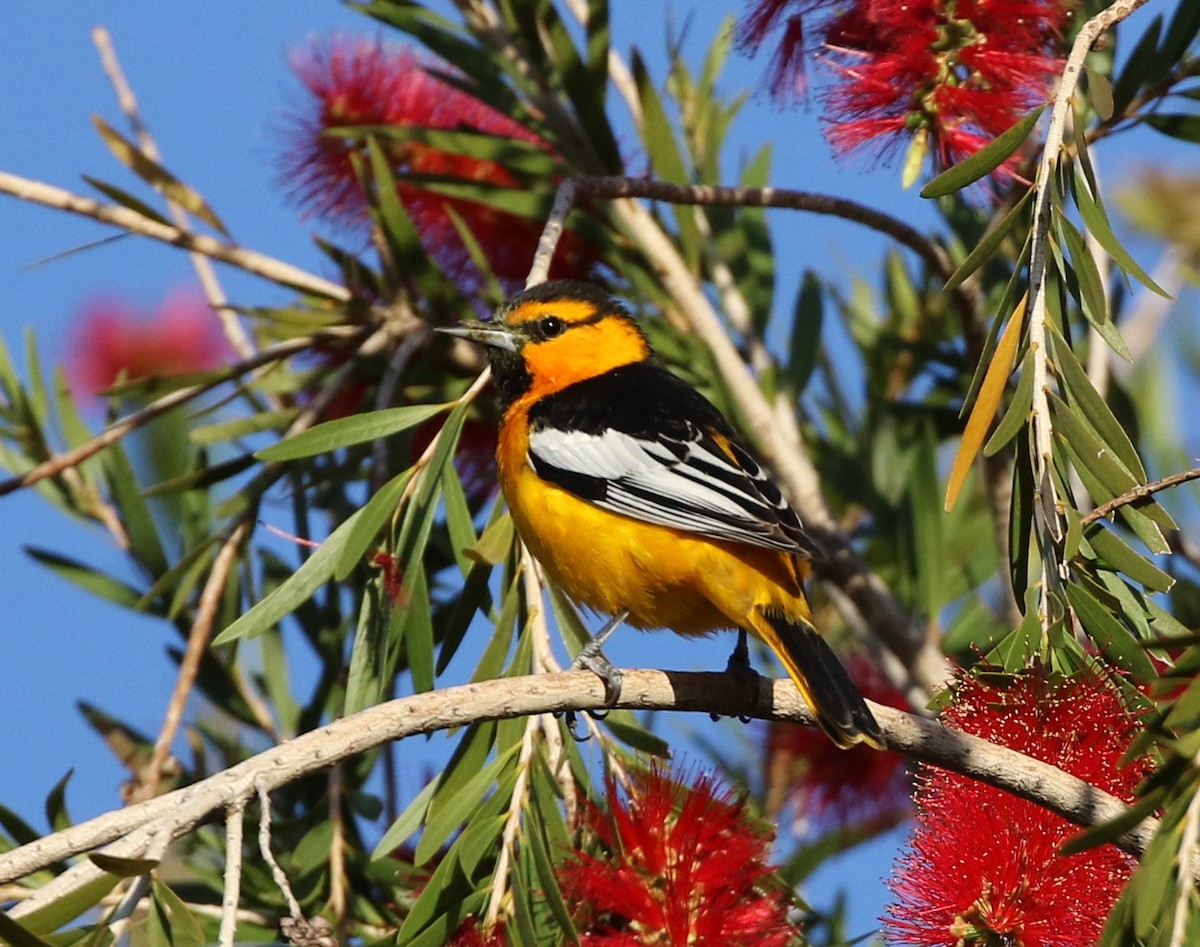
<point>550,327</point>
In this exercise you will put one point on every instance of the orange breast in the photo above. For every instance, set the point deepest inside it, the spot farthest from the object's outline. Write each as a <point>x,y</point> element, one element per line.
<point>665,577</point>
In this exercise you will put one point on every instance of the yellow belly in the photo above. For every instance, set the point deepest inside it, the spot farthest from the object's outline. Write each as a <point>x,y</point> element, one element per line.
<point>665,577</point>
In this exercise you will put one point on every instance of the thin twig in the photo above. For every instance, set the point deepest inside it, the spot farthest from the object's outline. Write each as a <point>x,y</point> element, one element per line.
<point>1139,492</point>
<point>1185,885</point>
<point>249,260</point>
<point>205,274</point>
<point>264,849</point>
<point>235,819</point>
<point>512,825</point>
<point>197,646</point>
<point>56,464</point>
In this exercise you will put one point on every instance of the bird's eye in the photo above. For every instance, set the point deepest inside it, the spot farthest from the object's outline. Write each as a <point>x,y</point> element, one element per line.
<point>550,327</point>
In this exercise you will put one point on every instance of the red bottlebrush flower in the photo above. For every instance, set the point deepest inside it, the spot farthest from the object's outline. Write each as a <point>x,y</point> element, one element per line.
<point>951,74</point>
<point>983,867</point>
<point>111,338</point>
<point>830,788</point>
<point>360,82</point>
<point>475,458</point>
<point>469,935</point>
<point>680,865</point>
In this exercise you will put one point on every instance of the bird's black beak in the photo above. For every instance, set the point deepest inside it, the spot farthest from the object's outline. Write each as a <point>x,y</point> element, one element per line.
<point>485,333</point>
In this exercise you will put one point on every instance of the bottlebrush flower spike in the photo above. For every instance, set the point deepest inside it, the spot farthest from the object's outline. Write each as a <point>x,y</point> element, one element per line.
<point>111,338</point>
<point>830,788</point>
<point>359,82</point>
<point>947,75</point>
<point>469,935</point>
<point>983,867</point>
<point>680,865</point>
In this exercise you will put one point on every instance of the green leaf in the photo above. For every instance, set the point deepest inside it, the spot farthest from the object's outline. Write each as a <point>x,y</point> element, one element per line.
<point>1138,67</point>
<point>123,867</point>
<point>370,520</point>
<point>298,588</point>
<point>243,427</point>
<point>125,199</point>
<point>807,319</point>
<point>87,578</point>
<point>1100,92</point>
<point>1175,124</point>
<point>61,910</point>
<point>990,242</point>
<point>1096,221</point>
<point>143,534</point>
<point>1091,284</point>
<point>544,865</point>
<point>406,823</point>
<point>459,806</point>
<point>984,161</point>
<point>1117,555</point>
<point>665,154</point>
<point>356,429</point>
<point>1112,637</point>
<point>418,628</point>
<point>12,932</point>
<point>1094,408</point>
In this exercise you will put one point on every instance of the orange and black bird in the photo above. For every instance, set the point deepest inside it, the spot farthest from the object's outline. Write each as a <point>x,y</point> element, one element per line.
<point>635,495</point>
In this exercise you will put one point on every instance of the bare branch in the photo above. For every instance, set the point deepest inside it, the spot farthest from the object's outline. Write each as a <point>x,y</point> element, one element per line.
<point>129,832</point>
<point>249,260</point>
<point>235,819</point>
<point>1139,492</point>
<point>207,276</point>
<point>197,645</point>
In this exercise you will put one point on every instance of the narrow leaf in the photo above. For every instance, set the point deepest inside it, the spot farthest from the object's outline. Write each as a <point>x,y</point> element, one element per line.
<point>344,432</point>
<point>990,242</point>
<point>986,403</point>
<point>299,587</point>
<point>1096,221</point>
<point>985,160</point>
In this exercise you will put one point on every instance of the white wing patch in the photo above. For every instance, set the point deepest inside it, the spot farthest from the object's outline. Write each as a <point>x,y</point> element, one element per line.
<point>679,484</point>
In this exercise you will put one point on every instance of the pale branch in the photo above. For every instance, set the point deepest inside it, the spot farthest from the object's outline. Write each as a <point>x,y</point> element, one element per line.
<point>234,331</point>
<point>130,832</point>
<point>1140,492</point>
<point>1051,526</point>
<point>235,819</point>
<point>115,215</point>
<point>189,665</point>
<point>264,849</point>
<point>52,466</point>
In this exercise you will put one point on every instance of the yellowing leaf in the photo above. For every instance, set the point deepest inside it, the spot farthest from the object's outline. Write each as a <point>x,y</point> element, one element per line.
<point>986,403</point>
<point>156,175</point>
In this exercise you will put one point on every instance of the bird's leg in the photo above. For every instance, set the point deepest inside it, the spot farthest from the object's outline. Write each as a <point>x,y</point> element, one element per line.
<point>591,658</point>
<point>739,665</point>
<point>739,661</point>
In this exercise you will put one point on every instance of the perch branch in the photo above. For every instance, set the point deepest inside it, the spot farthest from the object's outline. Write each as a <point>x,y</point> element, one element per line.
<point>130,831</point>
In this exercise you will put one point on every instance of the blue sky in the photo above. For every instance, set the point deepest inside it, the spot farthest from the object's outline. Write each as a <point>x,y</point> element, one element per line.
<point>213,85</point>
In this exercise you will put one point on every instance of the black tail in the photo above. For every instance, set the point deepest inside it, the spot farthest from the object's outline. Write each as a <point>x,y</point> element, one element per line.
<point>823,683</point>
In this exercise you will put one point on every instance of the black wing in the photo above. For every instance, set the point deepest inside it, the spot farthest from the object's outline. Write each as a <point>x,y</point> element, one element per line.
<point>641,442</point>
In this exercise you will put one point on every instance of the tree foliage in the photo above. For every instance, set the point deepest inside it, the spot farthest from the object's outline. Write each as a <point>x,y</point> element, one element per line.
<point>990,480</point>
